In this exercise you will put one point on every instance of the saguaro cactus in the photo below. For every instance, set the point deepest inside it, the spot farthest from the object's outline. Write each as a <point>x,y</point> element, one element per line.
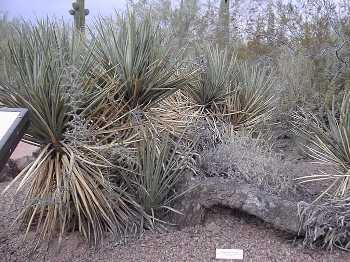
<point>223,30</point>
<point>79,12</point>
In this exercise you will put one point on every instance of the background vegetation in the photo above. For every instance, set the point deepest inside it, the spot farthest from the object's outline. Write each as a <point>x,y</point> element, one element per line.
<point>122,112</point>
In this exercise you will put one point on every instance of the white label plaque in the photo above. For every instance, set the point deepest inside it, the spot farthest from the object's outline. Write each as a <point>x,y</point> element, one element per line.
<point>6,120</point>
<point>229,254</point>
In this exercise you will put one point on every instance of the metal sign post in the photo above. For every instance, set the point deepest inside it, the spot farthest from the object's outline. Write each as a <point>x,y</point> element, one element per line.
<point>13,123</point>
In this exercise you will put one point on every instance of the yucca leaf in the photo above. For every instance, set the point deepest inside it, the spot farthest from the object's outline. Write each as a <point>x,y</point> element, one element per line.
<point>328,145</point>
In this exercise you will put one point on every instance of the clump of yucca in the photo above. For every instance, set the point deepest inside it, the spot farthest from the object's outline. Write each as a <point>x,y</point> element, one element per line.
<point>251,101</point>
<point>328,145</point>
<point>66,186</point>
<point>87,118</point>
<point>141,69</point>
<point>153,172</point>
<point>326,220</point>
<point>228,95</point>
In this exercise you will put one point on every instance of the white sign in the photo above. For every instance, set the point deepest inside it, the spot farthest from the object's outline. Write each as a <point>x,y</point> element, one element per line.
<point>229,254</point>
<point>6,120</point>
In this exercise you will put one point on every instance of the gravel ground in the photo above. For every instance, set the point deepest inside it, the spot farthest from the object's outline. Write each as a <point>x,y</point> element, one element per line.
<point>223,229</point>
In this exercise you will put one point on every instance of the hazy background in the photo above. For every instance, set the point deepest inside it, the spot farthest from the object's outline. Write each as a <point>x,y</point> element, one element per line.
<point>31,9</point>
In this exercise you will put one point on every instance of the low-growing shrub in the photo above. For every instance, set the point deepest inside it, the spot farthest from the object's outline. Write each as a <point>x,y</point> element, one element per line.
<point>326,224</point>
<point>244,158</point>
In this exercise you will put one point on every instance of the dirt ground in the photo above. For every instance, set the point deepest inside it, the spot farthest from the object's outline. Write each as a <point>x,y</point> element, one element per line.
<point>223,229</point>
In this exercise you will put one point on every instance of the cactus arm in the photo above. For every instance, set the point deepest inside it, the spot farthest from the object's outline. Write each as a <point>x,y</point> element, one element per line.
<point>79,12</point>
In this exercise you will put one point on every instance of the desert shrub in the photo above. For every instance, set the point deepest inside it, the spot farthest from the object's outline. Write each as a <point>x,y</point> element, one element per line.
<point>254,49</point>
<point>206,94</point>
<point>89,105</point>
<point>310,82</point>
<point>328,145</point>
<point>237,93</point>
<point>326,224</point>
<point>173,115</point>
<point>296,72</point>
<point>338,72</point>
<point>244,158</point>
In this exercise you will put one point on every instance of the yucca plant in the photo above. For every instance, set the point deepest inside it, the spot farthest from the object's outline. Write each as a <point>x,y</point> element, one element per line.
<point>174,115</point>
<point>140,70</point>
<point>328,145</point>
<point>107,113</point>
<point>157,170</point>
<point>66,186</point>
<point>136,52</point>
<point>230,95</point>
<point>206,94</point>
<point>214,79</point>
<point>251,99</point>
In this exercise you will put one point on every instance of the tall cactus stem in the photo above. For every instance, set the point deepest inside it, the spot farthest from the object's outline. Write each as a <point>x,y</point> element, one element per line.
<point>79,12</point>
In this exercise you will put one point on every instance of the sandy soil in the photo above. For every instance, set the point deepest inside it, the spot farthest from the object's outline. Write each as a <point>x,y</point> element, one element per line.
<point>223,229</point>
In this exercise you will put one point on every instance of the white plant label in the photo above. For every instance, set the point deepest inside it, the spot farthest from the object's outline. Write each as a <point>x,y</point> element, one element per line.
<point>7,119</point>
<point>229,254</point>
